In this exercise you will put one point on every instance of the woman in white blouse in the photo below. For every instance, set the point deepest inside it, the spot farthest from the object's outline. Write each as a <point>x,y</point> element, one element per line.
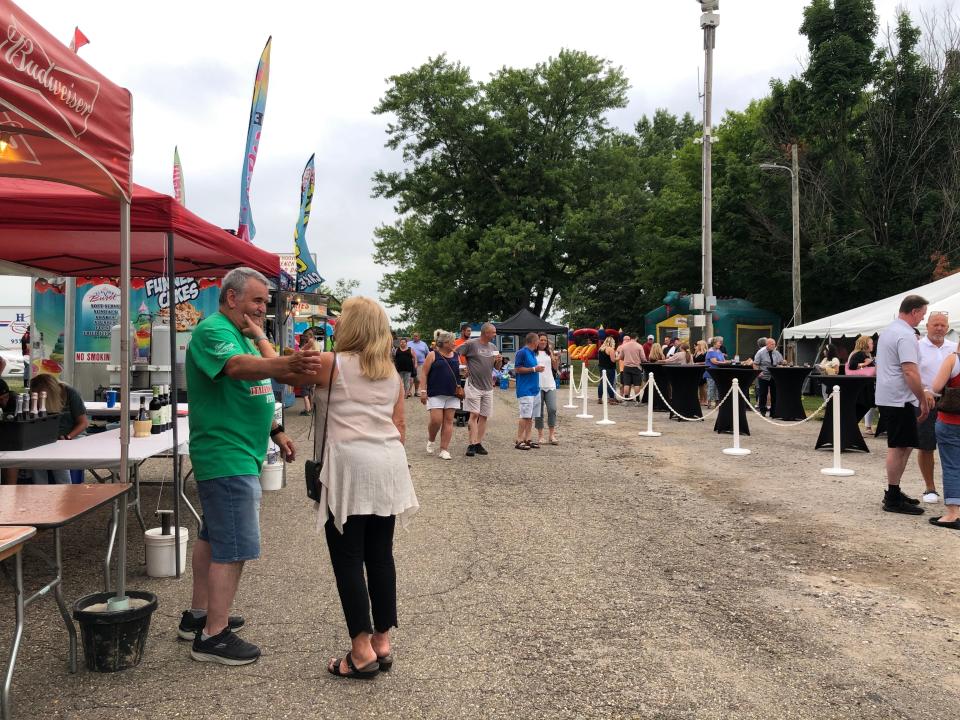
<point>366,481</point>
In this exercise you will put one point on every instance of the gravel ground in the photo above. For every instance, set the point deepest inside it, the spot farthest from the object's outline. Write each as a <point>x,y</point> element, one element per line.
<point>612,576</point>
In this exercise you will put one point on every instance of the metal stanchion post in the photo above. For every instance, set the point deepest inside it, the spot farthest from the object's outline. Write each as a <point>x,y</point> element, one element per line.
<point>836,470</point>
<point>584,387</point>
<point>570,404</point>
<point>736,449</point>
<point>650,432</point>
<point>604,385</point>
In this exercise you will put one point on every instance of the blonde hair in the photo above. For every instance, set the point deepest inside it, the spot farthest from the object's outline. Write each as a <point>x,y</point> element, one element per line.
<point>701,346</point>
<point>364,330</point>
<point>656,353</point>
<point>610,342</point>
<point>49,384</point>
<point>442,337</point>
<point>862,344</point>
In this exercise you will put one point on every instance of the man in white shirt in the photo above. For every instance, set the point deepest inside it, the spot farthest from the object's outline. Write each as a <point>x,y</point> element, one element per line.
<point>901,398</point>
<point>934,349</point>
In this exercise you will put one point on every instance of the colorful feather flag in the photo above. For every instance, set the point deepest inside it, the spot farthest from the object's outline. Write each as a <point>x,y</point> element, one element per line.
<point>179,188</point>
<point>308,279</point>
<point>246,229</point>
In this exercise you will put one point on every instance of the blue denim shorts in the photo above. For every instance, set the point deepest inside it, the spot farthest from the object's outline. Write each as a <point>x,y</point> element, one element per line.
<point>231,517</point>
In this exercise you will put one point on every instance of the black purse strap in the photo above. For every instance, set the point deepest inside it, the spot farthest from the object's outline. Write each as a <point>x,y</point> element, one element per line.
<point>326,414</point>
<point>456,380</point>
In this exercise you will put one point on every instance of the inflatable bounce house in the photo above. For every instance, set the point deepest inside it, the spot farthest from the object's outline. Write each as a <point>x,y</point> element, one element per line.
<point>738,321</point>
<point>584,343</point>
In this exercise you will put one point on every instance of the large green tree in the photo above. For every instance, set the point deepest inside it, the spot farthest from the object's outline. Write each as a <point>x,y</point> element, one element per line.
<point>509,188</point>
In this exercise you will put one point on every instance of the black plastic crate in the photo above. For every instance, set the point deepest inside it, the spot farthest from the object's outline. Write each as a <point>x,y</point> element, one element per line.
<point>26,434</point>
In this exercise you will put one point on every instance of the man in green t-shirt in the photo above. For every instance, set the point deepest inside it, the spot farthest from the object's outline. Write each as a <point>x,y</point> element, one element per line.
<point>229,365</point>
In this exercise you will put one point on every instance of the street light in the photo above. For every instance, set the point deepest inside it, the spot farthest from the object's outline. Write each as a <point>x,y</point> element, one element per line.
<point>795,192</point>
<point>709,21</point>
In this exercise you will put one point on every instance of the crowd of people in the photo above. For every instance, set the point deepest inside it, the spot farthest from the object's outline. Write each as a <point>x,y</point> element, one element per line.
<point>359,393</point>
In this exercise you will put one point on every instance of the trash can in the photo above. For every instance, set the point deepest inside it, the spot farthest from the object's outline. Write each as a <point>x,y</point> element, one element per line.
<point>114,641</point>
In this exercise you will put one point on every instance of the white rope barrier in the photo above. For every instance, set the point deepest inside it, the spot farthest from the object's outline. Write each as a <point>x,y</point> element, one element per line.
<point>693,419</point>
<point>807,419</point>
<point>836,470</point>
<point>736,449</point>
<point>623,398</point>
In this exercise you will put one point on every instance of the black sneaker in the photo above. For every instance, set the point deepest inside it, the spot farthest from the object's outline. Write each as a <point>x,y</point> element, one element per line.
<point>225,648</point>
<point>471,451</point>
<point>480,450</point>
<point>906,498</point>
<point>190,626</point>
<point>900,503</point>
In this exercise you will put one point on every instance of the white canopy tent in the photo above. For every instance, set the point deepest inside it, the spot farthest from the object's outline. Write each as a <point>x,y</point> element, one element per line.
<point>872,318</point>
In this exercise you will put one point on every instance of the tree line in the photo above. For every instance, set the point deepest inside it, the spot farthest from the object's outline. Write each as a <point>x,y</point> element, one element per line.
<point>516,192</point>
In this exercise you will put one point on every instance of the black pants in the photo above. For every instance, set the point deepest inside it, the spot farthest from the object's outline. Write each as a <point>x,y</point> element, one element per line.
<point>367,541</point>
<point>763,387</point>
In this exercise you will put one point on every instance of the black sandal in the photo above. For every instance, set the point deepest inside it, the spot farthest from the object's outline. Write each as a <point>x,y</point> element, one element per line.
<point>386,662</point>
<point>952,525</point>
<point>367,672</point>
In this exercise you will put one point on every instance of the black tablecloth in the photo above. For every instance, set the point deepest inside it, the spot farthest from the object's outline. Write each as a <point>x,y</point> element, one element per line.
<point>684,388</point>
<point>852,408</point>
<point>663,382</point>
<point>789,384</point>
<point>724,376</point>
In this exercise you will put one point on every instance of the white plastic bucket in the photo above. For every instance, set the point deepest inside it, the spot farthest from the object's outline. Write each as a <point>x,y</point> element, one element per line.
<point>161,561</point>
<point>271,476</point>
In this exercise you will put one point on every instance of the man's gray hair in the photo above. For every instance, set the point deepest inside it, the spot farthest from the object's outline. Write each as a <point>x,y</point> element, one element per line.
<point>236,280</point>
<point>488,326</point>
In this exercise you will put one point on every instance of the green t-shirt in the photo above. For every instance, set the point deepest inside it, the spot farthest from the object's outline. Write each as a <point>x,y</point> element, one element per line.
<point>229,419</point>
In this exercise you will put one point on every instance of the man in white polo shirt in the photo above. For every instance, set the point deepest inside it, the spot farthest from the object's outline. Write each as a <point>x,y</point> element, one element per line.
<point>899,394</point>
<point>934,349</point>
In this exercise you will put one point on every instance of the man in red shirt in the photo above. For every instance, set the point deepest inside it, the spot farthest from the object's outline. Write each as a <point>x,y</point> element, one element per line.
<point>647,345</point>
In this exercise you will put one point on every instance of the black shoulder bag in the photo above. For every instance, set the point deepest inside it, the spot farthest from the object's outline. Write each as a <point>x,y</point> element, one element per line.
<point>949,401</point>
<point>312,468</point>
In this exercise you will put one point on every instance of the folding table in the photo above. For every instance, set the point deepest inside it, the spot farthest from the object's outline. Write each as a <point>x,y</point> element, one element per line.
<point>12,540</point>
<point>51,507</point>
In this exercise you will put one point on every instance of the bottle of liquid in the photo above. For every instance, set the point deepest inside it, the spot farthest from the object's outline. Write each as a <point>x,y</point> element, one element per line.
<point>26,407</point>
<point>34,405</point>
<point>19,413</point>
<point>156,423</point>
<point>142,414</point>
<point>165,398</point>
<point>43,403</point>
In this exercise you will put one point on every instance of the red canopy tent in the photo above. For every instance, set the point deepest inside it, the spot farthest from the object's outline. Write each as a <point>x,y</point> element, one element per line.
<point>60,119</point>
<point>68,231</point>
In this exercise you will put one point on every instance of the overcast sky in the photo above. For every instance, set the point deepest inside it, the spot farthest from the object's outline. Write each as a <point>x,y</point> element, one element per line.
<point>190,67</point>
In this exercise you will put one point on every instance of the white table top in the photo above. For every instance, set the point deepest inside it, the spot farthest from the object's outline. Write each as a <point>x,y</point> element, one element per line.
<point>93,452</point>
<point>100,409</point>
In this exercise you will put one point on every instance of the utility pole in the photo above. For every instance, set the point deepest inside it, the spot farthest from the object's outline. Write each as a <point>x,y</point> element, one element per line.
<point>795,192</point>
<point>709,21</point>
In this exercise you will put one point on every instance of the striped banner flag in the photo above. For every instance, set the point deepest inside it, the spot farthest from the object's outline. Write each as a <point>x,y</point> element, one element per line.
<point>179,188</point>
<point>245,228</point>
<point>308,279</point>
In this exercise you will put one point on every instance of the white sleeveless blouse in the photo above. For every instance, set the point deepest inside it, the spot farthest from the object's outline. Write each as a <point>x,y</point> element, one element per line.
<point>365,469</point>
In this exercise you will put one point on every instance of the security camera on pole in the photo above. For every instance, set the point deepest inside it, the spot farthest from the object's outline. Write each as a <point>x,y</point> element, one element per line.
<point>709,21</point>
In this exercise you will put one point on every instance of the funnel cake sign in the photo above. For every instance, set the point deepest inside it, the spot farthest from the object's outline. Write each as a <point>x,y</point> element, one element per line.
<point>70,95</point>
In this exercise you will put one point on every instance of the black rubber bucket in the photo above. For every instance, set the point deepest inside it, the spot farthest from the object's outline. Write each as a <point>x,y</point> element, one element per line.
<point>113,641</point>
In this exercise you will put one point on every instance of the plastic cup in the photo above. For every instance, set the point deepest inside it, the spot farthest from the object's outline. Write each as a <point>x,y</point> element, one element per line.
<point>111,396</point>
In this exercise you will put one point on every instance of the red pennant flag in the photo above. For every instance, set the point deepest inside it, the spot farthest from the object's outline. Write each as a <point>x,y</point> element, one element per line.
<point>79,40</point>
